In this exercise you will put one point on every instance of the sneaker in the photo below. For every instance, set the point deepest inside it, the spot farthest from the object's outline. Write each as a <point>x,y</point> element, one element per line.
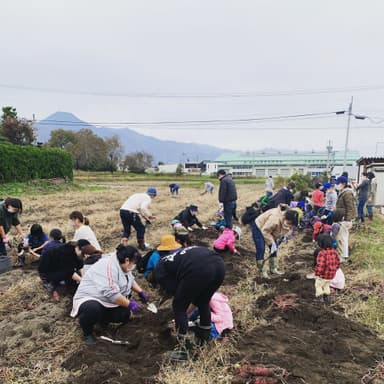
<point>310,276</point>
<point>275,271</point>
<point>89,340</point>
<point>265,275</point>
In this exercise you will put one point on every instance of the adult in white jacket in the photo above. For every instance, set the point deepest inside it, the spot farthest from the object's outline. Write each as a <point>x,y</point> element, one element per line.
<point>135,207</point>
<point>103,293</point>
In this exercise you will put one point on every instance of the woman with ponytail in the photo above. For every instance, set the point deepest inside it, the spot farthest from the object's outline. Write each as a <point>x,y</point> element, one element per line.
<point>82,229</point>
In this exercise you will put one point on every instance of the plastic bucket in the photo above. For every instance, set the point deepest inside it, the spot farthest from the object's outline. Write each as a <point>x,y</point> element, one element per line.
<point>5,263</point>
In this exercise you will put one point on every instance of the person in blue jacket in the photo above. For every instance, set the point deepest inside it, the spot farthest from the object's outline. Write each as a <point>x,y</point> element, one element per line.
<point>167,245</point>
<point>174,189</point>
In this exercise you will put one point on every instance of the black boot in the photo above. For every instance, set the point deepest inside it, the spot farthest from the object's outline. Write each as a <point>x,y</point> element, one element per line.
<point>141,245</point>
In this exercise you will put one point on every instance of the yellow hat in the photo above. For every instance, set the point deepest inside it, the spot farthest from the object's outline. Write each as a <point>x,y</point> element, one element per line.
<point>168,243</point>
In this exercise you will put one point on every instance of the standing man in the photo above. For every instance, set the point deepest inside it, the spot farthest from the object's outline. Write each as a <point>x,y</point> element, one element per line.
<point>227,196</point>
<point>269,184</point>
<point>362,196</point>
<point>371,194</point>
<point>130,212</point>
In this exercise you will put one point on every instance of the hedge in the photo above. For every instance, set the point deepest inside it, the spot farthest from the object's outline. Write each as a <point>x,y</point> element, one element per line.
<point>23,163</point>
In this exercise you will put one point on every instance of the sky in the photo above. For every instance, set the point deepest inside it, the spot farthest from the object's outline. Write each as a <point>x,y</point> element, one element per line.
<point>151,61</point>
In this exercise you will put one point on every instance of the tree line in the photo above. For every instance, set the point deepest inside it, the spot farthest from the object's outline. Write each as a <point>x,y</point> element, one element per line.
<point>89,152</point>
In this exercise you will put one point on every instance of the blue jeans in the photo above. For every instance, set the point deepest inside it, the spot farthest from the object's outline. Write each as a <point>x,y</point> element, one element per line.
<point>370,210</point>
<point>259,241</point>
<point>129,219</point>
<point>360,209</point>
<point>229,209</point>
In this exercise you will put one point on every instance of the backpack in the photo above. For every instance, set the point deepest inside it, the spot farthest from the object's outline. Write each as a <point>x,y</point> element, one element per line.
<point>250,214</point>
<point>142,263</point>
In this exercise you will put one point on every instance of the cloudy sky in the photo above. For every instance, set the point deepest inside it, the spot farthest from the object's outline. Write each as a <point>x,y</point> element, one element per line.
<point>154,61</point>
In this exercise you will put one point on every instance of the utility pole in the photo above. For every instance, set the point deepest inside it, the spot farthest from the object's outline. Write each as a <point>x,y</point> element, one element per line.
<point>347,135</point>
<point>329,152</point>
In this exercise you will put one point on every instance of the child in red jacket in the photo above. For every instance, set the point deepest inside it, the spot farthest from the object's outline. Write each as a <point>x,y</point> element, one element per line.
<point>327,264</point>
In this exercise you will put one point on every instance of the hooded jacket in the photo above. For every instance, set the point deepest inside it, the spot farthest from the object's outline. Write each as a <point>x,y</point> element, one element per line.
<point>346,203</point>
<point>226,240</point>
<point>271,224</point>
<point>221,314</point>
<point>104,282</point>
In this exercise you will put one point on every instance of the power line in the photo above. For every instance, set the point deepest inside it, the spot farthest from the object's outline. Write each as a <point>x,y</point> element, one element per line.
<point>213,95</point>
<point>182,122</point>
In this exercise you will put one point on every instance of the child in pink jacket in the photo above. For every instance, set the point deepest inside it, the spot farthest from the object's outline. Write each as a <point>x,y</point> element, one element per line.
<point>226,241</point>
<point>221,316</point>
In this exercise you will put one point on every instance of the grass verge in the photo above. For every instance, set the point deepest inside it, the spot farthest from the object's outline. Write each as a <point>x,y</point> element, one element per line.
<point>363,300</point>
<point>41,187</point>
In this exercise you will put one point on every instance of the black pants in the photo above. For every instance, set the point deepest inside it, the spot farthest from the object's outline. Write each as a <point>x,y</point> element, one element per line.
<point>197,289</point>
<point>55,278</point>
<point>92,312</point>
<point>129,219</point>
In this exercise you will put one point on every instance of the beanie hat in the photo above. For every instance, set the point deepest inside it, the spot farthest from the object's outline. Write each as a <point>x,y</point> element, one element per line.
<point>193,208</point>
<point>341,180</point>
<point>152,191</point>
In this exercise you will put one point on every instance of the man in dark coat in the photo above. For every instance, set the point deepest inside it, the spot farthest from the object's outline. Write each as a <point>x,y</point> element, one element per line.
<point>227,196</point>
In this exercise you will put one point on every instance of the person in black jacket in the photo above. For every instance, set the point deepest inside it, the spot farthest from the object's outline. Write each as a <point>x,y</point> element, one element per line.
<point>60,263</point>
<point>283,196</point>
<point>188,218</point>
<point>227,197</point>
<point>192,275</point>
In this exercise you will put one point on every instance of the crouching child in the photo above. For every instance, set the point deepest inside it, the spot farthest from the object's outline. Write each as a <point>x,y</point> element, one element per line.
<point>327,263</point>
<point>221,316</point>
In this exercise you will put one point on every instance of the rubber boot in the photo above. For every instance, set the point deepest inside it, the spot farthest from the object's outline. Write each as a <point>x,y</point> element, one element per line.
<point>141,244</point>
<point>260,265</point>
<point>273,266</point>
<point>202,334</point>
<point>370,217</point>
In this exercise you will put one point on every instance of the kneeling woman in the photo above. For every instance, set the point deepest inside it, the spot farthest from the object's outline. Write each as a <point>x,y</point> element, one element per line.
<point>103,293</point>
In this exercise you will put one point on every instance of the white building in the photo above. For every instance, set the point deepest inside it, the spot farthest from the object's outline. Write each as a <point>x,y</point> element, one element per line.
<point>252,164</point>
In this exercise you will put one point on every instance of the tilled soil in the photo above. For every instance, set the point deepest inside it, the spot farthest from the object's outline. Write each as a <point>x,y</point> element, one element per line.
<point>313,342</point>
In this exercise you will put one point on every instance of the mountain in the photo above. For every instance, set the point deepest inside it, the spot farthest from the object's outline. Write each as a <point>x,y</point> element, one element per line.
<point>162,150</point>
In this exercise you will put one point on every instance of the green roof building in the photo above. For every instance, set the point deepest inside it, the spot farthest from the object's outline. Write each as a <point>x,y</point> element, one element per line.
<point>264,164</point>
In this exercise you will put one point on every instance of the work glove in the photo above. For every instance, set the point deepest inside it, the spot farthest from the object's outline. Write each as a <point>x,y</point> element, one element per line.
<point>143,296</point>
<point>273,248</point>
<point>190,229</point>
<point>134,307</point>
<point>203,227</point>
<point>5,239</point>
<point>221,207</point>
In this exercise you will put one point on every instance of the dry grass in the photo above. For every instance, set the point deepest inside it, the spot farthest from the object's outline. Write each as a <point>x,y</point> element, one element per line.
<point>38,357</point>
<point>212,366</point>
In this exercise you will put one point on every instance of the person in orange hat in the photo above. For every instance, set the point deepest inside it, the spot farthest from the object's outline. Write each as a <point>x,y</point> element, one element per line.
<point>167,245</point>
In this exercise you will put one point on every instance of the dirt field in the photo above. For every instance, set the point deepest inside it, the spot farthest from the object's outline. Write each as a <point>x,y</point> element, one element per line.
<point>312,343</point>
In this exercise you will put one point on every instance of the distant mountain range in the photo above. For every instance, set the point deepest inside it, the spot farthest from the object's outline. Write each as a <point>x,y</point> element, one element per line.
<point>162,150</point>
